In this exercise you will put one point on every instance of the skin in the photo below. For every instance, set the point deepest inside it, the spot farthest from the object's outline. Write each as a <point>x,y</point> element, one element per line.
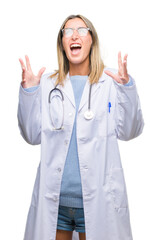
<point>67,235</point>
<point>78,65</point>
<point>28,78</point>
<point>122,76</point>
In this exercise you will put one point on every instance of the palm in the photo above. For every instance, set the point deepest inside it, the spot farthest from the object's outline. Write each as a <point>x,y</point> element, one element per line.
<point>28,78</point>
<point>122,76</point>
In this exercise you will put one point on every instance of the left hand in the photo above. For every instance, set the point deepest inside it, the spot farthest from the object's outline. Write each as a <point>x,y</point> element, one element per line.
<point>122,76</point>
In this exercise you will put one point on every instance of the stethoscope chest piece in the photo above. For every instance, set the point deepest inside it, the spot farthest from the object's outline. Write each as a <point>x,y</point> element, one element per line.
<point>88,115</point>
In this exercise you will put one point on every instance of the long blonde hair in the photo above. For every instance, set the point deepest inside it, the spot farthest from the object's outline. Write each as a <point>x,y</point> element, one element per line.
<point>96,63</point>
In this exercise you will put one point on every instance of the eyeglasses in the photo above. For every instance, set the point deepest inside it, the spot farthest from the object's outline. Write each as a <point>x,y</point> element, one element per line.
<point>82,31</point>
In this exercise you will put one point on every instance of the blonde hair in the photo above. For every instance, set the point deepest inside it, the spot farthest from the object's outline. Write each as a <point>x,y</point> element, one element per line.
<point>96,63</point>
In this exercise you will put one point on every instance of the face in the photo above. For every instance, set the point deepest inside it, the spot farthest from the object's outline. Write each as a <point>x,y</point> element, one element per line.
<point>79,53</point>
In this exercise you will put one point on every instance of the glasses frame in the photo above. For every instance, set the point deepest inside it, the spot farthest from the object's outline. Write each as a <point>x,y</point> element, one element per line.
<point>63,30</point>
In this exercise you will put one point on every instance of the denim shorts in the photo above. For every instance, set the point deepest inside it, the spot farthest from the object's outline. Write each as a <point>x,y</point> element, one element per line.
<point>70,219</point>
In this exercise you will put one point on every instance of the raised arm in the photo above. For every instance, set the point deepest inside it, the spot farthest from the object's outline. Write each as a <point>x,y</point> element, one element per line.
<point>29,108</point>
<point>28,78</point>
<point>128,114</point>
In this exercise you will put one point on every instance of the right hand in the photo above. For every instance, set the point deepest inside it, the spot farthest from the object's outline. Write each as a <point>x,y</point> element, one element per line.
<point>122,76</point>
<point>28,78</point>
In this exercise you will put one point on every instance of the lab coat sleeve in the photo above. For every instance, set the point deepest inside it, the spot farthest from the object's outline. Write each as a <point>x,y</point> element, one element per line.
<point>128,115</point>
<point>29,115</point>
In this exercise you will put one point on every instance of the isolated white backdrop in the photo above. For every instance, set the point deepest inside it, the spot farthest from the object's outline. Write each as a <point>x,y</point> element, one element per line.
<point>31,27</point>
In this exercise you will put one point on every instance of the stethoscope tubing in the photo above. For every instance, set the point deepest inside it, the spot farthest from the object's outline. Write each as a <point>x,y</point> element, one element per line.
<point>49,101</point>
<point>89,97</point>
<point>55,88</point>
<point>88,115</point>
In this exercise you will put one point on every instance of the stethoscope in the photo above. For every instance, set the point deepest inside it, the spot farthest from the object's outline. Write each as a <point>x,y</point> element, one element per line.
<point>88,115</point>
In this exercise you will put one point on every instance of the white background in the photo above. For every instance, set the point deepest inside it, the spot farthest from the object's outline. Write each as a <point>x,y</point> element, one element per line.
<point>31,27</point>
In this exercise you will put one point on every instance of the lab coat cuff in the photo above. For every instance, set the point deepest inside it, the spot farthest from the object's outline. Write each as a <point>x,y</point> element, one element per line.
<point>126,93</point>
<point>131,84</point>
<point>29,91</point>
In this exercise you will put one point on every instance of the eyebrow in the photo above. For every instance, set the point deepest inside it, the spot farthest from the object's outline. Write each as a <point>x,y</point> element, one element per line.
<point>76,27</point>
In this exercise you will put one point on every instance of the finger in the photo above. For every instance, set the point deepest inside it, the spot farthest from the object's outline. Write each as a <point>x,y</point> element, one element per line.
<point>23,83</point>
<point>112,75</point>
<point>23,74</point>
<point>125,57</point>
<point>119,63</point>
<point>41,72</point>
<point>125,73</point>
<point>109,73</point>
<point>119,59</point>
<point>23,69</point>
<point>22,63</point>
<point>28,63</point>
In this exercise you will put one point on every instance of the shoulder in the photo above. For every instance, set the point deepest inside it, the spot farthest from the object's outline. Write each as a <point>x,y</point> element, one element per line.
<point>48,78</point>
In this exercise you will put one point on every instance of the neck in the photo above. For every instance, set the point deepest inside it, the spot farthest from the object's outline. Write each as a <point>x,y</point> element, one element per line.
<point>78,69</point>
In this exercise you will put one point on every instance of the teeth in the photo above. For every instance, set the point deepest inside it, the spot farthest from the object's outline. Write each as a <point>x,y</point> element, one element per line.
<point>75,45</point>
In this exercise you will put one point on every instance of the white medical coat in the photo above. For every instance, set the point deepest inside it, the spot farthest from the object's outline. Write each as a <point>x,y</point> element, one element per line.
<point>103,186</point>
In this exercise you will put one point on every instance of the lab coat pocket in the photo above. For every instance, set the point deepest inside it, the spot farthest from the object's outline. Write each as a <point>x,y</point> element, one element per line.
<point>118,188</point>
<point>59,114</point>
<point>101,124</point>
<point>56,109</point>
<point>34,200</point>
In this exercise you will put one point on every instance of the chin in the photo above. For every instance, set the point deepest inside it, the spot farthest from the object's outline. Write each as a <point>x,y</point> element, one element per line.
<point>76,61</point>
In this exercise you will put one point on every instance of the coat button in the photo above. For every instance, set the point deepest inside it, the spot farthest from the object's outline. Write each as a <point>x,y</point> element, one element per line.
<point>85,167</point>
<point>55,198</point>
<point>66,142</point>
<point>59,169</point>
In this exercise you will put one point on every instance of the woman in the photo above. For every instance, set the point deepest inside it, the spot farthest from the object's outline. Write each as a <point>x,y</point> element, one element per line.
<point>77,114</point>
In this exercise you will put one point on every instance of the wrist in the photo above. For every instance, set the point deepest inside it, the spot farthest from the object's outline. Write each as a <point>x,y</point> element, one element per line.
<point>25,84</point>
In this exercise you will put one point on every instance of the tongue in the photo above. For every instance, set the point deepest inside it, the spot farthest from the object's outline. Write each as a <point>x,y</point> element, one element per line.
<point>75,50</point>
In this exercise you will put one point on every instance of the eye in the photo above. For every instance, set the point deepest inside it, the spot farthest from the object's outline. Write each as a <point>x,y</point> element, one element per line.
<point>67,32</point>
<point>83,31</point>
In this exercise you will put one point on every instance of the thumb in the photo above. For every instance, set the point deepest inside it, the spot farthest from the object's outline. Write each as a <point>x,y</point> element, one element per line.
<point>110,73</point>
<point>115,77</point>
<point>41,71</point>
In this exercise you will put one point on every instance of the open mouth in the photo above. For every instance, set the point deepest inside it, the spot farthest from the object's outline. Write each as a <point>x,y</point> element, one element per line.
<point>75,48</point>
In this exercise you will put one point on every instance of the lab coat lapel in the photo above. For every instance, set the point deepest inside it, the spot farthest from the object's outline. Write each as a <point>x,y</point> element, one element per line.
<point>68,90</point>
<point>85,95</point>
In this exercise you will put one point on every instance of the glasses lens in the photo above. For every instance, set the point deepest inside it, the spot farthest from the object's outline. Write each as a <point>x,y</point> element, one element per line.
<point>68,32</point>
<point>82,31</point>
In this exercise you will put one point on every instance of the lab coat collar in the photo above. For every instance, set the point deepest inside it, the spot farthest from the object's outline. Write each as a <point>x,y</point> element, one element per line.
<point>95,88</point>
<point>103,77</point>
<point>68,90</point>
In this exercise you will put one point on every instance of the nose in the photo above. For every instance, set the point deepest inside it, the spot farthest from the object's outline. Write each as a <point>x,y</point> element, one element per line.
<point>75,34</point>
